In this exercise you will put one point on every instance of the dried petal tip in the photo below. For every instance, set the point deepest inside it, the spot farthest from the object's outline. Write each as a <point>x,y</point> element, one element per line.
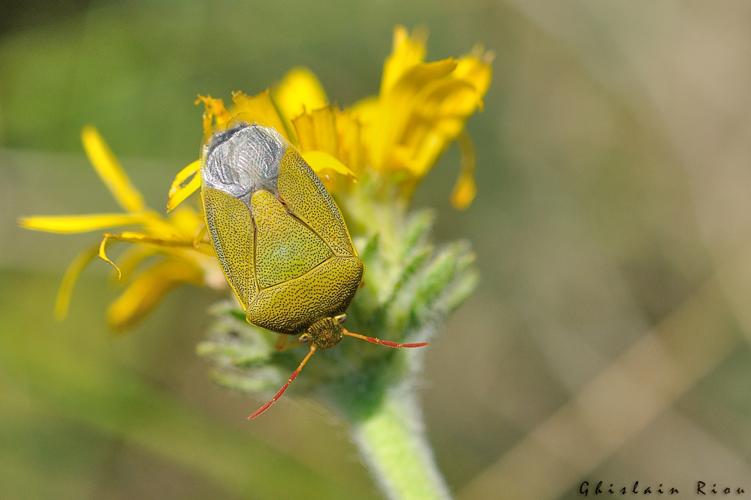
<point>465,188</point>
<point>103,254</point>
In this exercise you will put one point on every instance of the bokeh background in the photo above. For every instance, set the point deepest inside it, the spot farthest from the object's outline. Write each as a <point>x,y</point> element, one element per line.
<point>609,337</point>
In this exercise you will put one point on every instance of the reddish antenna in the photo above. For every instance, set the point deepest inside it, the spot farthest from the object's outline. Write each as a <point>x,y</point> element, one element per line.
<point>372,340</point>
<point>291,378</point>
<point>387,343</point>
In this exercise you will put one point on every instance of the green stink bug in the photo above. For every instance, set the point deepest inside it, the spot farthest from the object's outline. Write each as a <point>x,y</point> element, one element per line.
<point>281,240</point>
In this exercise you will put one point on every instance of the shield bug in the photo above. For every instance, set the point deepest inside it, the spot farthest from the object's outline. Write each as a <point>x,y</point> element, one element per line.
<point>281,240</point>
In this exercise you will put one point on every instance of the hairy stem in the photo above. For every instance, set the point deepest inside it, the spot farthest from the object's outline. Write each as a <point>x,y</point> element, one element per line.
<point>391,439</point>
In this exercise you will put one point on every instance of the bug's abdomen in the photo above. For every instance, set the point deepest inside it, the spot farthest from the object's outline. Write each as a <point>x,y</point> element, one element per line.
<point>292,306</point>
<point>299,278</point>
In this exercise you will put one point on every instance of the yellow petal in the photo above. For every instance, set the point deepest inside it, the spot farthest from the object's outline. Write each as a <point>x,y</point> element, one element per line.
<point>147,289</point>
<point>436,119</point>
<point>408,51</point>
<point>299,91</point>
<point>364,116</point>
<point>258,109</point>
<point>102,253</point>
<point>447,104</point>
<point>465,188</point>
<point>187,222</point>
<point>351,148</point>
<point>422,107</point>
<point>365,110</point>
<point>419,156</point>
<point>74,270</point>
<point>215,115</point>
<point>320,161</point>
<point>316,130</point>
<point>318,135</point>
<point>424,111</point>
<point>110,171</point>
<point>70,224</point>
<point>186,182</point>
<point>399,106</point>
<point>133,257</point>
<point>476,68</point>
<point>143,238</point>
<point>134,237</point>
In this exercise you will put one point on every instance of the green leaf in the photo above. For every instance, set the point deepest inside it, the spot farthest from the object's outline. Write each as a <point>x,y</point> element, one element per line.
<point>417,230</point>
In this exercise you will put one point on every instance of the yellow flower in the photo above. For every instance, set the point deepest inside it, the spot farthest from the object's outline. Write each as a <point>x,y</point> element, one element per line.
<point>180,256</point>
<point>395,138</point>
<point>399,134</point>
<point>421,109</point>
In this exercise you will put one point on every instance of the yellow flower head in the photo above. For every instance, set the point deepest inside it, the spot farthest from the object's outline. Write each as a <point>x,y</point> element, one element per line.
<point>393,138</point>
<point>397,135</point>
<point>180,255</point>
<point>421,109</point>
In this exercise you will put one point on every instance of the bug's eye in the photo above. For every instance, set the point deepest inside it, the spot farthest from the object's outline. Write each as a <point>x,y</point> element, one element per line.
<point>341,318</point>
<point>304,338</point>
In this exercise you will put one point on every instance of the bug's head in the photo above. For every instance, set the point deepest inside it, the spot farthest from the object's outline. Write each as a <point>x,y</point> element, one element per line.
<point>325,333</point>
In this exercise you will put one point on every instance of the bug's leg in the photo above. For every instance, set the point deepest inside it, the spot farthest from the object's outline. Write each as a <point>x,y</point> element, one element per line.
<point>291,378</point>
<point>281,342</point>
<point>387,343</point>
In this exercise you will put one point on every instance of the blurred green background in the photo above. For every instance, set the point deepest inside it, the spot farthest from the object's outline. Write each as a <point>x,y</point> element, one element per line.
<point>608,338</point>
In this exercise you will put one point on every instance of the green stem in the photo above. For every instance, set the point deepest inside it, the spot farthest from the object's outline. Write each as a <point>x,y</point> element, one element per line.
<point>392,441</point>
